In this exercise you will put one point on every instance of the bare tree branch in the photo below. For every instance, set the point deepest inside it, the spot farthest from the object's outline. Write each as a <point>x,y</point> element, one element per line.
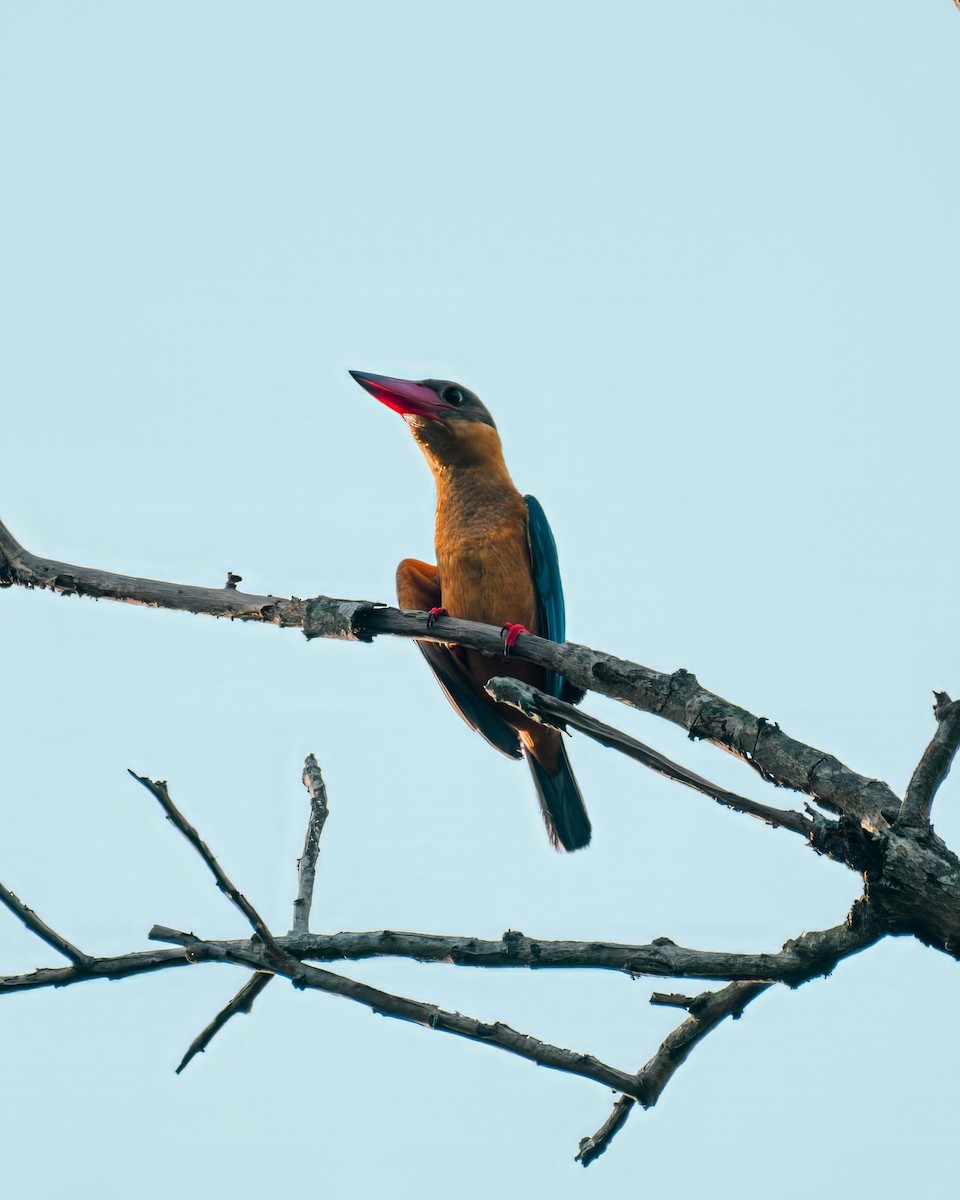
<point>252,955</point>
<point>41,928</point>
<point>549,711</point>
<point>911,878</point>
<point>242,1002</point>
<point>387,1004</point>
<point>307,865</point>
<point>709,1009</point>
<point>672,1000</point>
<point>799,961</point>
<point>814,953</point>
<point>677,697</point>
<point>712,1008</point>
<point>267,956</point>
<point>270,956</point>
<point>121,966</point>
<point>934,765</point>
<point>159,789</point>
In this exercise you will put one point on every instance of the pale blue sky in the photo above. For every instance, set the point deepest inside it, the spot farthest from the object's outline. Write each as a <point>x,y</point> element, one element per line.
<point>701,262</point>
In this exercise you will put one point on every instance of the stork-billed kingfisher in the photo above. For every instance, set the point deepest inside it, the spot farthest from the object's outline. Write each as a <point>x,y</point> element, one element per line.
<point>496,563</point>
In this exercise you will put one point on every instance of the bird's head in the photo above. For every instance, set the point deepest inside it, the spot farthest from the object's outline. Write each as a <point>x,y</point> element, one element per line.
<point>451,424</point>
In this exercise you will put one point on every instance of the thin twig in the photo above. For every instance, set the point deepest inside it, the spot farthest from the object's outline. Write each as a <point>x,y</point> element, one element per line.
<point>42,929</point>
<point>19,566</point>
<point>430,1016</point>
<point>242,1002</point>
<point>593,1146</point>
<point>307,864</point>
<point>159,789</point>
<point>672,1053</point>
<point>550,711</point>
<point>934,765</point>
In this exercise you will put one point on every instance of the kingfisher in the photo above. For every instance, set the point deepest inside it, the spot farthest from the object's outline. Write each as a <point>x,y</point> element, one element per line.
<point>496,563</point>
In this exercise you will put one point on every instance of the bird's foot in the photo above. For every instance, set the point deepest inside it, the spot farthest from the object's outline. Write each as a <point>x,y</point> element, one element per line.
<point>433,614</point>
<point>510,633</point>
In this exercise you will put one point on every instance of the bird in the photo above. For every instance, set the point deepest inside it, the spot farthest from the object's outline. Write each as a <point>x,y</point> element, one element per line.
<point>496,563</point>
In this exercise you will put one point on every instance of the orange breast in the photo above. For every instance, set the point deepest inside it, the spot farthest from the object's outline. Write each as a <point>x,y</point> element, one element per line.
<point>487,587</point>
<point>484,561</point>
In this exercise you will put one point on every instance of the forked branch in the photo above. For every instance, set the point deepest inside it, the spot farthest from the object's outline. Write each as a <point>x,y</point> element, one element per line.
<point>707,1011</point>
<point>268,956</point>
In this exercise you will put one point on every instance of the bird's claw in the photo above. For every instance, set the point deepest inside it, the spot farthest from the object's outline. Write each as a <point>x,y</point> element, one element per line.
<point>510,633</point>
<point>433,614</point>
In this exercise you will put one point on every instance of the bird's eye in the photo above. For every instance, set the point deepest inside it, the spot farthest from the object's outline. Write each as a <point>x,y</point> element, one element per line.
<point>453,396</point>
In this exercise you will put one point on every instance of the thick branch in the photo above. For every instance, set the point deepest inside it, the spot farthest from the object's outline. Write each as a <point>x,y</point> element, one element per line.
<point>797,962</point>
<point>676,697</point>
<point>550,711</point>
<point>934,766</point>
<point>815,953</point>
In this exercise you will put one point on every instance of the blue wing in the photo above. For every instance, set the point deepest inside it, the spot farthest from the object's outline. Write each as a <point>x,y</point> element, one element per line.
<point>551,613</point>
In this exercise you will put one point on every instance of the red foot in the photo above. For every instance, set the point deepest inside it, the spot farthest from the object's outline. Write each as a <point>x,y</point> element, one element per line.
<point>433,614</point>
<point>510,633</point>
